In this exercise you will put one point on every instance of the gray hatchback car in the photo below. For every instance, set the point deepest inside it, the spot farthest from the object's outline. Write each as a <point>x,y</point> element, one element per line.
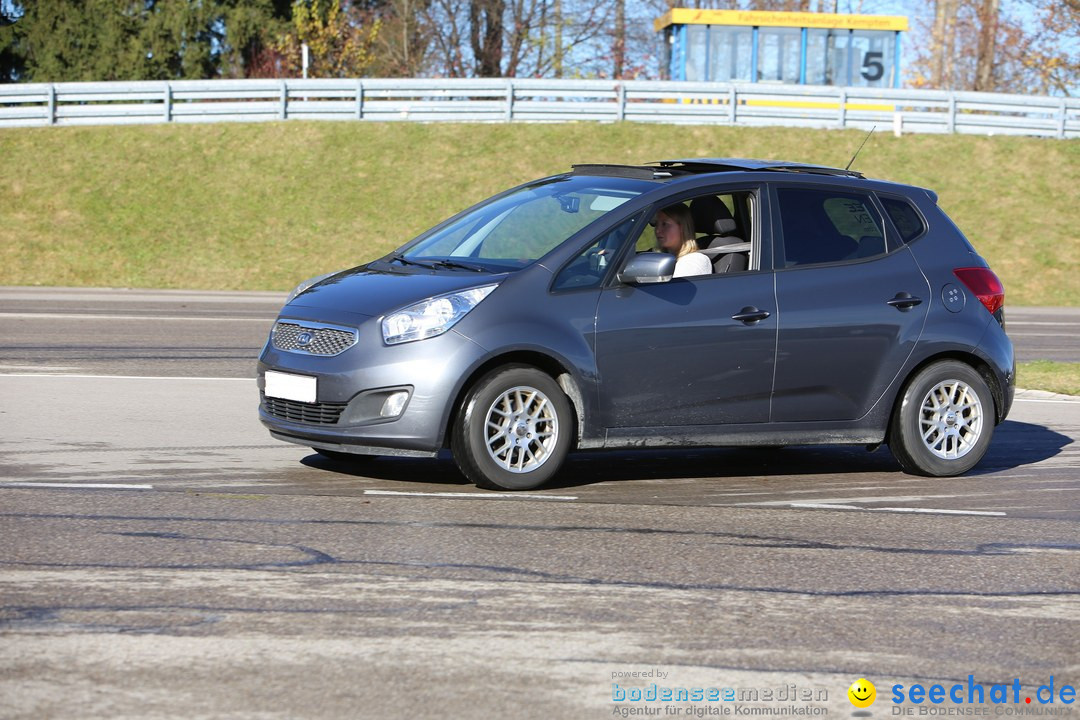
<point>839,310</point>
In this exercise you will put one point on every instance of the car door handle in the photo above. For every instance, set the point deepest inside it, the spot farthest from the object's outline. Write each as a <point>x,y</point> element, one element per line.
<point>750,315</point>
<point>904,301</point>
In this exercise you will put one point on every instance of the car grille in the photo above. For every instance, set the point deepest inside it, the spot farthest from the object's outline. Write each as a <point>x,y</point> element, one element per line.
<point>314,413</point>
<point>312,339</point>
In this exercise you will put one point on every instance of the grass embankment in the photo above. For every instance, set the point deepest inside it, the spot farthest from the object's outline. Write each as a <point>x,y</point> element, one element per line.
<point>1058,377</point>
<point>261,206</point>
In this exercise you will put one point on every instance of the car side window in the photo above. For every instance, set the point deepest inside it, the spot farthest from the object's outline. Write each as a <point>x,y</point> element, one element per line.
<point>588,268</point>
<point>908,221</point>
<point>722,225</point>
<point>825,226</point>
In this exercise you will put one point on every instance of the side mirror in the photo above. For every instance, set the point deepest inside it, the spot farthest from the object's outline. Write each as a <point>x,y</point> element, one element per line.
<point>648,268</point>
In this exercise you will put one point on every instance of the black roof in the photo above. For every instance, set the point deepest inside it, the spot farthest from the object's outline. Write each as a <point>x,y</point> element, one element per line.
<point>728,164</point>
<point>664,169</point>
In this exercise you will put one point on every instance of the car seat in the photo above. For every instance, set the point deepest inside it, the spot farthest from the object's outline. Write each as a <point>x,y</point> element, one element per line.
<point>727,251</point>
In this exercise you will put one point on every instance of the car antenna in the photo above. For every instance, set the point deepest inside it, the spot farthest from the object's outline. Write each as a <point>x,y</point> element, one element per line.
<point>848,167</point>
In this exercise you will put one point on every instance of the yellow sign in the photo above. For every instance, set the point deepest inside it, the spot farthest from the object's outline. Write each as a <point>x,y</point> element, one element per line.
<point>761,18</point>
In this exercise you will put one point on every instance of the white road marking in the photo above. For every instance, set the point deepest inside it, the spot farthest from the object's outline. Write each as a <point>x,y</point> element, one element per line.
<point>1023,333</point>
<point>863,499</point>
<point>935,511</point>
<point>75,486</point>
<point>119,377</point>
<point>1010,323</point>
<point>474,496</point>
<point>928,511</point>
<point>80,316</point>
<point>1066,401</point>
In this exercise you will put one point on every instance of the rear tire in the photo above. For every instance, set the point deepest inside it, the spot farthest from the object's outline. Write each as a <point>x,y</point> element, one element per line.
<point>944,422</point>
<point>514,429</point>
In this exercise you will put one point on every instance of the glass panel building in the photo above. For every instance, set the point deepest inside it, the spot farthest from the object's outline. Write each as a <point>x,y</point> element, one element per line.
<point>782,47</point>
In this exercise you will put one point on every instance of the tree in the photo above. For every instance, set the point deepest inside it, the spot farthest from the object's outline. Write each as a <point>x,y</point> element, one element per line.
<point>619,41</point>
<point>12,55</point>
<point>486,36</point>
<point>507,38</point>
<point>1053,55</point>
<point>987,16</point>
<point>67,40</point>
<point>340,45</point>
<point>557,51</point>
<point>943,37</point>
<point>973,45</point>
<point>403,44</point>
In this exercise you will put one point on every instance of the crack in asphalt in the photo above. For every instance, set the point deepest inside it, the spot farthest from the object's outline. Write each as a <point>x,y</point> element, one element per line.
<point>755,541</point>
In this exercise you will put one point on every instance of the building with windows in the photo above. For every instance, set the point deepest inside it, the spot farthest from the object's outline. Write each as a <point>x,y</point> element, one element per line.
<point>782,47</point>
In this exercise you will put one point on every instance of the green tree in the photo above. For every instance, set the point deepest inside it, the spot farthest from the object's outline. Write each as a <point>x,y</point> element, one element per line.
<point>86,40</point>
<point>12,62</point>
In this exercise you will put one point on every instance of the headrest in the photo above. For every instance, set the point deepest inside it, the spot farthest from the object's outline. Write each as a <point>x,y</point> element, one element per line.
<point>711,216</point>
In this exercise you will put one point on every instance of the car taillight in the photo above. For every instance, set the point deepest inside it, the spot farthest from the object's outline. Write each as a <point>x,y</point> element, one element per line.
<point>985,285</point>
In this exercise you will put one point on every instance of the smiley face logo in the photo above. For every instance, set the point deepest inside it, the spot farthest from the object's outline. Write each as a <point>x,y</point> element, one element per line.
<point>862,693</point>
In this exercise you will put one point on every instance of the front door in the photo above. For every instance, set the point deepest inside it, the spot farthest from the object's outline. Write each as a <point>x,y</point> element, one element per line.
<point>672,355</point>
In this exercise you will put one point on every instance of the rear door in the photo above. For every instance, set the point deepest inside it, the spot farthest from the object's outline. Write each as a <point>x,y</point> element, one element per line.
<point>851,301</point>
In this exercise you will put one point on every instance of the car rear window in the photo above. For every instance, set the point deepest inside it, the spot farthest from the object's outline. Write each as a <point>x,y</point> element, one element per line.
<point>905,217</point>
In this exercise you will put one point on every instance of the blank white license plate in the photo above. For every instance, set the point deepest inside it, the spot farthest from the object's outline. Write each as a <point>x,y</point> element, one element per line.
<point>286,386</point>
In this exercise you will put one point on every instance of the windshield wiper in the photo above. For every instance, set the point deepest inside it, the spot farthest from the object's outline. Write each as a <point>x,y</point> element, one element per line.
<point>461,266</point>
<point>406,261</point>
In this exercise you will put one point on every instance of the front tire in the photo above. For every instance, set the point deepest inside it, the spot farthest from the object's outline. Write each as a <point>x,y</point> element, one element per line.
<point>943,425</point>
<point>514,429</point>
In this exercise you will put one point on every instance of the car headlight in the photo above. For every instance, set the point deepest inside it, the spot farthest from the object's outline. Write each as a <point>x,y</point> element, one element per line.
<point>308,283</point>
<point>431,317</point>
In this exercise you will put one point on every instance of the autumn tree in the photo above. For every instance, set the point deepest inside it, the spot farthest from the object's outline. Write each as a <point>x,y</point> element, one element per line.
<point>618,40</point>
<point>1052,55</point>
<point>519,38</point>
<point>404,41</point>
<point>339,45</point>
<point>973,45</point>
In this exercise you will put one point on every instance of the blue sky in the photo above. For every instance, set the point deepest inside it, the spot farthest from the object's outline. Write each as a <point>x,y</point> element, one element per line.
<point>6,6</point>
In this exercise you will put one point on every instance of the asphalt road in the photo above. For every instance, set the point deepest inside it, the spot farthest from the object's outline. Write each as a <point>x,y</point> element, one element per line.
<point>161,556</point>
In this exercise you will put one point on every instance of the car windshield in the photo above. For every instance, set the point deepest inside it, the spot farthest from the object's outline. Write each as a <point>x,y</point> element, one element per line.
<point>515,230</point>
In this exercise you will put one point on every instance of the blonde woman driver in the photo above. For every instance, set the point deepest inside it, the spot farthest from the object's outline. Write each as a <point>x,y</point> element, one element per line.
<point>675,235</point>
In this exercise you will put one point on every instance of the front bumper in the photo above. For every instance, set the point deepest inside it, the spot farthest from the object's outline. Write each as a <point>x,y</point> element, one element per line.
<point>353,388</point>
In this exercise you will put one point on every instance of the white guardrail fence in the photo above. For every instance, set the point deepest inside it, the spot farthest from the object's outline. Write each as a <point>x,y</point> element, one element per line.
<point>531,100</point>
